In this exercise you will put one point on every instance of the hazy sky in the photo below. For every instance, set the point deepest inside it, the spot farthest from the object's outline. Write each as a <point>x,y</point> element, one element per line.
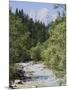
<point>44,12</point>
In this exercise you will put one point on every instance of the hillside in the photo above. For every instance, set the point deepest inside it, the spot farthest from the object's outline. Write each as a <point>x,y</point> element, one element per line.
<point>54,53</point>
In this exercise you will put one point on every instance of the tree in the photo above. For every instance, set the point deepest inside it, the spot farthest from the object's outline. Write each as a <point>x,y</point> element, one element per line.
<point>16,13</point>
<point>63,6</point>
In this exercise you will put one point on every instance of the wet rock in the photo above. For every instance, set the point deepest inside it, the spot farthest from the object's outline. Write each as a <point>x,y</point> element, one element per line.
<point>17,81</point>
<point>20,82</point>
<point>12,84</point>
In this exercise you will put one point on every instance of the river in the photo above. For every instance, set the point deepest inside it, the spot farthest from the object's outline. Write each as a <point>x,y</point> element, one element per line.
<point>39,76</point>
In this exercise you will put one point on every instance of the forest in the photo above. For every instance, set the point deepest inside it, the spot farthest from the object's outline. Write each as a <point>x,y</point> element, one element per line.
<point>33,41</point>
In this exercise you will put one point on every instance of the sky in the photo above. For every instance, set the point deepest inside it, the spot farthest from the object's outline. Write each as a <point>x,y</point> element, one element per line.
<point>43,12</point>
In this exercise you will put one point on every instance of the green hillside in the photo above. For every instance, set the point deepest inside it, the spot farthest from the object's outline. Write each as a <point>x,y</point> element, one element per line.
<point>54,48</point>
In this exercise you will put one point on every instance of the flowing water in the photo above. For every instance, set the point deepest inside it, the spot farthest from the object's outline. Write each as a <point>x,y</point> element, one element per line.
<point>38,76</point>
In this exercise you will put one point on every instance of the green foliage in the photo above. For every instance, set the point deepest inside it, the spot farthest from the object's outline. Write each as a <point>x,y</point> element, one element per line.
<point>54,48</point>
<point>24,34</point>
<point>12,72</point>
<point>35,52</point>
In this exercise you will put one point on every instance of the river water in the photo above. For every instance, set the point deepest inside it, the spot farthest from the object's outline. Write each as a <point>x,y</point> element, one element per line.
<point>39,76</point>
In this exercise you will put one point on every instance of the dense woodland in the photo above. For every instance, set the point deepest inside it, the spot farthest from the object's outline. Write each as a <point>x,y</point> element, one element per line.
<point>33,41</point>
